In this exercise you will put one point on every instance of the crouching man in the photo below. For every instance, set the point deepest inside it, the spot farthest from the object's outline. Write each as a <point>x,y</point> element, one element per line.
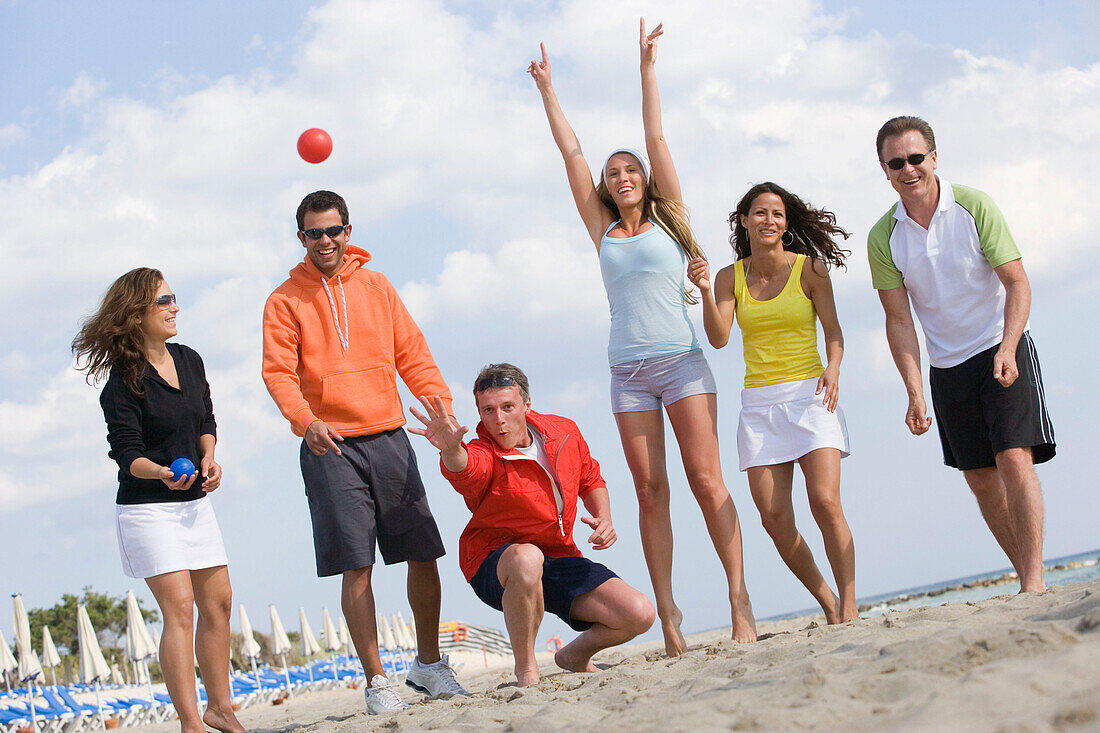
<point>521,477</point>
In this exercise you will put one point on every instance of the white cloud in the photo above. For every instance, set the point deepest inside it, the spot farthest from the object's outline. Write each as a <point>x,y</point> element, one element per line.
<point>84,90</point>
<point>12,133</point>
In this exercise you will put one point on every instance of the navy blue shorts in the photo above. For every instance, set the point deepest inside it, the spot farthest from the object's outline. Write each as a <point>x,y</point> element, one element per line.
<point>563,579</point>
<point>978,418</point>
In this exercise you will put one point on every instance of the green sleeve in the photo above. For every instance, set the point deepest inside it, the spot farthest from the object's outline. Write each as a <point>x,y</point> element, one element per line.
<point>996,240</point>
<point>885,275</point>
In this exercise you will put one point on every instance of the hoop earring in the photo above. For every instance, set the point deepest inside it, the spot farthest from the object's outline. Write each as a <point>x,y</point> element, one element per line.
<point>787,238</point>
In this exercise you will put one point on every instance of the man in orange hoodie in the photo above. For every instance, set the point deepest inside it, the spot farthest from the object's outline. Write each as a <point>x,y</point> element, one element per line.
<point>521,478</point>
<point>336,335</point>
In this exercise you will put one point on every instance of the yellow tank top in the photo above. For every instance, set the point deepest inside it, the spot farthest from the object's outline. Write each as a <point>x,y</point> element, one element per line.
<point>779,335</point>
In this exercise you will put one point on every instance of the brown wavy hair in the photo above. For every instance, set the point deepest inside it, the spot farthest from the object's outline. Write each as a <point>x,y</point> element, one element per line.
<point>812,230</point>
<point>672,216</point>
<point>111,338</point>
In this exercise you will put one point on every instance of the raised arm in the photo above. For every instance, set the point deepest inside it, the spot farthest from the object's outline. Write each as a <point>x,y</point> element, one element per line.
<point>718,301</point>
<point>443,432</point>
<point>594,214</point>
<point>901,333</point>
<point>656,147</point>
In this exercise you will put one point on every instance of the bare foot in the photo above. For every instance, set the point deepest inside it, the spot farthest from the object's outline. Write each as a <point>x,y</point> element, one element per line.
<point>849,610</point>
<point>744,625</point>
<point>223,720</point>
<point>570,660</point>
<point>526,677</point>
<point>674,640</point>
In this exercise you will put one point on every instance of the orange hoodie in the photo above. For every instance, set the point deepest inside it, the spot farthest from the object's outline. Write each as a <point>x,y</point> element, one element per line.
<point>333,348</point>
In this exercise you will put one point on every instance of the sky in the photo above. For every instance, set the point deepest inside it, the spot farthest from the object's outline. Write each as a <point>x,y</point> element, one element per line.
<point>163,134</point>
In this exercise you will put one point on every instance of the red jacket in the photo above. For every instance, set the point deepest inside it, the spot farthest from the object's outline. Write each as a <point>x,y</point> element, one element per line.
<point>511,496</point>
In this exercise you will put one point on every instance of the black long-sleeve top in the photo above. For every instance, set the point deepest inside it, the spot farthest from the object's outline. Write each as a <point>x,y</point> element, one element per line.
<point>162,426</point>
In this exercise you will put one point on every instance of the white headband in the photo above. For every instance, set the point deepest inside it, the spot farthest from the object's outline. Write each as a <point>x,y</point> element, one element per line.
<point>630,151</point>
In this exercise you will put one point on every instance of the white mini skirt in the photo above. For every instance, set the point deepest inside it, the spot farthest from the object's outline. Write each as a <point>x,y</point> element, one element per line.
<point>165,537</point>
<point>783,422</point>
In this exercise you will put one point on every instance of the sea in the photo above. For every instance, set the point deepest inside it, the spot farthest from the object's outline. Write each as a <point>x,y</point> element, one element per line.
<point>1057,571</point>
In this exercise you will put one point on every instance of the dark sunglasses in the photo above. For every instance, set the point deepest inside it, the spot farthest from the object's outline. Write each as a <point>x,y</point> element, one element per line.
<point>332,232</point>
<point>500,380</point>
<point>166,300</point>
<point>915,159</point>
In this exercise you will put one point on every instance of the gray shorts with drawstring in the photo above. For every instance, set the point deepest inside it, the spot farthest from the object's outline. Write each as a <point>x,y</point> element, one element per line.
<point>646,384</point>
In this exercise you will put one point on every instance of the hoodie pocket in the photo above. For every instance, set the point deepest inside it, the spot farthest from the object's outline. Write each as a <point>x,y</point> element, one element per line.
<point>360,399</point>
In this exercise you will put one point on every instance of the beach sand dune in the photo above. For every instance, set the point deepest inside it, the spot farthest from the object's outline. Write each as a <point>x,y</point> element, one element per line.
<point>1010,663</point>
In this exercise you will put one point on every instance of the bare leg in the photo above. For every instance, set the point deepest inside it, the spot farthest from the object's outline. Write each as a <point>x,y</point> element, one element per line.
<point>425,597</point>
<point>618,613</point>
<point>822,470</point>
<point>1025,506</point>
<point>695,421</point>
<point>989,490</point>
<point>643,439</point>
<point>771,491</point>
<point>177,644</point>
<point>520,573</point>
<point>357,603</point>
<point>214,598</point>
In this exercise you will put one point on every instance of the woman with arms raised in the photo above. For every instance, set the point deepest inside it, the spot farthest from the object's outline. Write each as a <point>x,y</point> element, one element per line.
<point>157,406</point>
<point>778,289</point>
<point>639,224</point>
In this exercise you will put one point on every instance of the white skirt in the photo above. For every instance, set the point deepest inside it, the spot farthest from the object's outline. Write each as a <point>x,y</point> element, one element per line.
<point>783,422</point>
<point>164,537</point>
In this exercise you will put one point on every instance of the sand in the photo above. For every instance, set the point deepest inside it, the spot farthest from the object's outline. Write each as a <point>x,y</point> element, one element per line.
<point>1011,663</point>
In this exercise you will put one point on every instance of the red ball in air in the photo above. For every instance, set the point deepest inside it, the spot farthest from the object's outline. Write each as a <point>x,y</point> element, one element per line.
<point>314,145</point>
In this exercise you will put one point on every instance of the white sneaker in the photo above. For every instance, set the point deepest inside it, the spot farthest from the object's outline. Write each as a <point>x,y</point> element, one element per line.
<point>382,697</point>
<point>434,680</point>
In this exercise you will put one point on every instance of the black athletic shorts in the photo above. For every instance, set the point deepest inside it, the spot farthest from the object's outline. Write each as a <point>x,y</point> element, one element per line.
<point>563,579</point>
<point>978,418</point>
<point>372,492</point>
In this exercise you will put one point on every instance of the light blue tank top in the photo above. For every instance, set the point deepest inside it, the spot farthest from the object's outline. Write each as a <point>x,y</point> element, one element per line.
<point>644,279</point>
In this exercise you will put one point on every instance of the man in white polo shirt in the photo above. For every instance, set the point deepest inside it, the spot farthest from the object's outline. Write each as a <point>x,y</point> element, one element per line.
<point>947,250</point>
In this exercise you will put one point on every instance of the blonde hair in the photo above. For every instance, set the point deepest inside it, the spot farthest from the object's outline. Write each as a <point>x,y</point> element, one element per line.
<point>671,216</point>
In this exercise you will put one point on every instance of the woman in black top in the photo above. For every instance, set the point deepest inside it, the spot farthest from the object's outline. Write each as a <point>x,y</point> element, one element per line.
<point>157,406</point>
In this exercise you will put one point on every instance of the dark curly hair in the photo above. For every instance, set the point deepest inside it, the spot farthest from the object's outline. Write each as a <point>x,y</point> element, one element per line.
<point>318,202</point>
<point>812,230</point>
<point>111,338</point>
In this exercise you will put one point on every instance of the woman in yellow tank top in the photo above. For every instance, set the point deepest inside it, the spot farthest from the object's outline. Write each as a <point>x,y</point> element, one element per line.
<point>777,290</point>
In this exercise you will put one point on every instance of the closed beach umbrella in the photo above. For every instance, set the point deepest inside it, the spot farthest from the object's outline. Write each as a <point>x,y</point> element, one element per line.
<point>139,644</point>
<point>330,638</point>
<point>93,667</point>
<point>345,638</point>
<point>50,657</point>
<point>308,641</point>
<point>385,634</point>
<point>329,635</point>
<point>401,629</point>
<point>250,648</point>
<point>280,644</point>
<point>138,641</point>
<point>28,668</point>
<point>156,644</point>
<point>7,660</point>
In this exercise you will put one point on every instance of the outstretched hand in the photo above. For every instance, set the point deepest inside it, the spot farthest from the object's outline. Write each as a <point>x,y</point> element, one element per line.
<point>649,42</point>
<point>441,430</point>
<point>540,72</point>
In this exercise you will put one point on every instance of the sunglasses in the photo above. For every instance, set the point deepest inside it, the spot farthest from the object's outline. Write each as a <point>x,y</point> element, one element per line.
<point>165,300</point>
<point>915,159</point>
<point>500,380</point>
<point>332,232</point>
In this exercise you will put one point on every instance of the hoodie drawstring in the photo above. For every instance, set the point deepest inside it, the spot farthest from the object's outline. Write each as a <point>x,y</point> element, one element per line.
<point>343,333</point>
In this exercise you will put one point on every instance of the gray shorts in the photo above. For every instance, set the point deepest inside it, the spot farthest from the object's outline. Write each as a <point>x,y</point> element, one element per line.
<point>372,492</point>
<point>646,384</point>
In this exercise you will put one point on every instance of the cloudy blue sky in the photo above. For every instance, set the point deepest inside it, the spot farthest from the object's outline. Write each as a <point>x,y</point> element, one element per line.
<point>163,134</point>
